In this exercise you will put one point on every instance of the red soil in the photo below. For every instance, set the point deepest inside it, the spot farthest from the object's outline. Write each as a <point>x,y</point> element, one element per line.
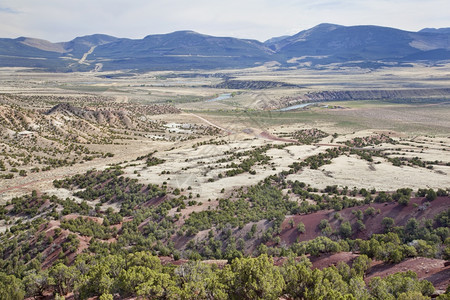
<point>400,213</point>
<point>74,216</point>
<point>436,271</point>
<point>328,260</point>
<point>433,270</point>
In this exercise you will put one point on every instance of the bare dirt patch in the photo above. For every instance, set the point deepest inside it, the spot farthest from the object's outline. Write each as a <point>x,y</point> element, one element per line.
<point>434,270</point>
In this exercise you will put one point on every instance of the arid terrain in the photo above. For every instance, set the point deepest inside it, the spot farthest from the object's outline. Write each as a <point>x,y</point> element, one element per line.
<point>128,117</point>
<point>215,165</point>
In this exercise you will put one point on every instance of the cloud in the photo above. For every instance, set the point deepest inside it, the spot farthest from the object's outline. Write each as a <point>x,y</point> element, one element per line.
<point>8,10</point>
<point>58,20</point>
<point>328,5</point>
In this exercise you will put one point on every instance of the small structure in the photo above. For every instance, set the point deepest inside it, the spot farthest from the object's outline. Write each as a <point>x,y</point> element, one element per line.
<point>25,133</point>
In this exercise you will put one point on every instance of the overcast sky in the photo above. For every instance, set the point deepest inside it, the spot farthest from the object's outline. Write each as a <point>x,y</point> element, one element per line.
<point>63,20</point>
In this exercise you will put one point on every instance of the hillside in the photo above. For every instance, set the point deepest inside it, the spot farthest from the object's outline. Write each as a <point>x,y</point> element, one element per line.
<point>187,50</point>
<point>339,43</point>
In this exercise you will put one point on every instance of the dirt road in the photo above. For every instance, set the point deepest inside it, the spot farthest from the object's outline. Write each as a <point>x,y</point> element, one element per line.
<point>83,59</point>
<point>212,124</point>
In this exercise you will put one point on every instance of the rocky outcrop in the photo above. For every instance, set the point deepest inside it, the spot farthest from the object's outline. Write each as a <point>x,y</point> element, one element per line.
<point>120,117</point>
<point>398,95</point>
<point>253,84</point>
<point>376,94</point>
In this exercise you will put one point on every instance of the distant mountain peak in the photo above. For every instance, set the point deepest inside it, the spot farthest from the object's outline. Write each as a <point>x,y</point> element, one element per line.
<point>96,36</point>
<point>175,33</point>
<point>41,44</point>
<point>187,32</point>
<point>93,39</point>
<point>327,25</point>
<point>319,29</point>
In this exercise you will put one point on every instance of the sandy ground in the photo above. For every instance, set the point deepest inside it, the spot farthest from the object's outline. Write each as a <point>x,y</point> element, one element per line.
<point>354,172</point>
<point>193,168</point>
<point>187,166</point>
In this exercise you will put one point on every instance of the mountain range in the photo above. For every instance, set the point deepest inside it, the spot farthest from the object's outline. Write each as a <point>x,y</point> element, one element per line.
<point>187,50</point>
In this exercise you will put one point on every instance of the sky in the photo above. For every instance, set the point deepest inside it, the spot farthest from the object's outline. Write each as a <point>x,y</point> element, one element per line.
<point>63,20</point>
